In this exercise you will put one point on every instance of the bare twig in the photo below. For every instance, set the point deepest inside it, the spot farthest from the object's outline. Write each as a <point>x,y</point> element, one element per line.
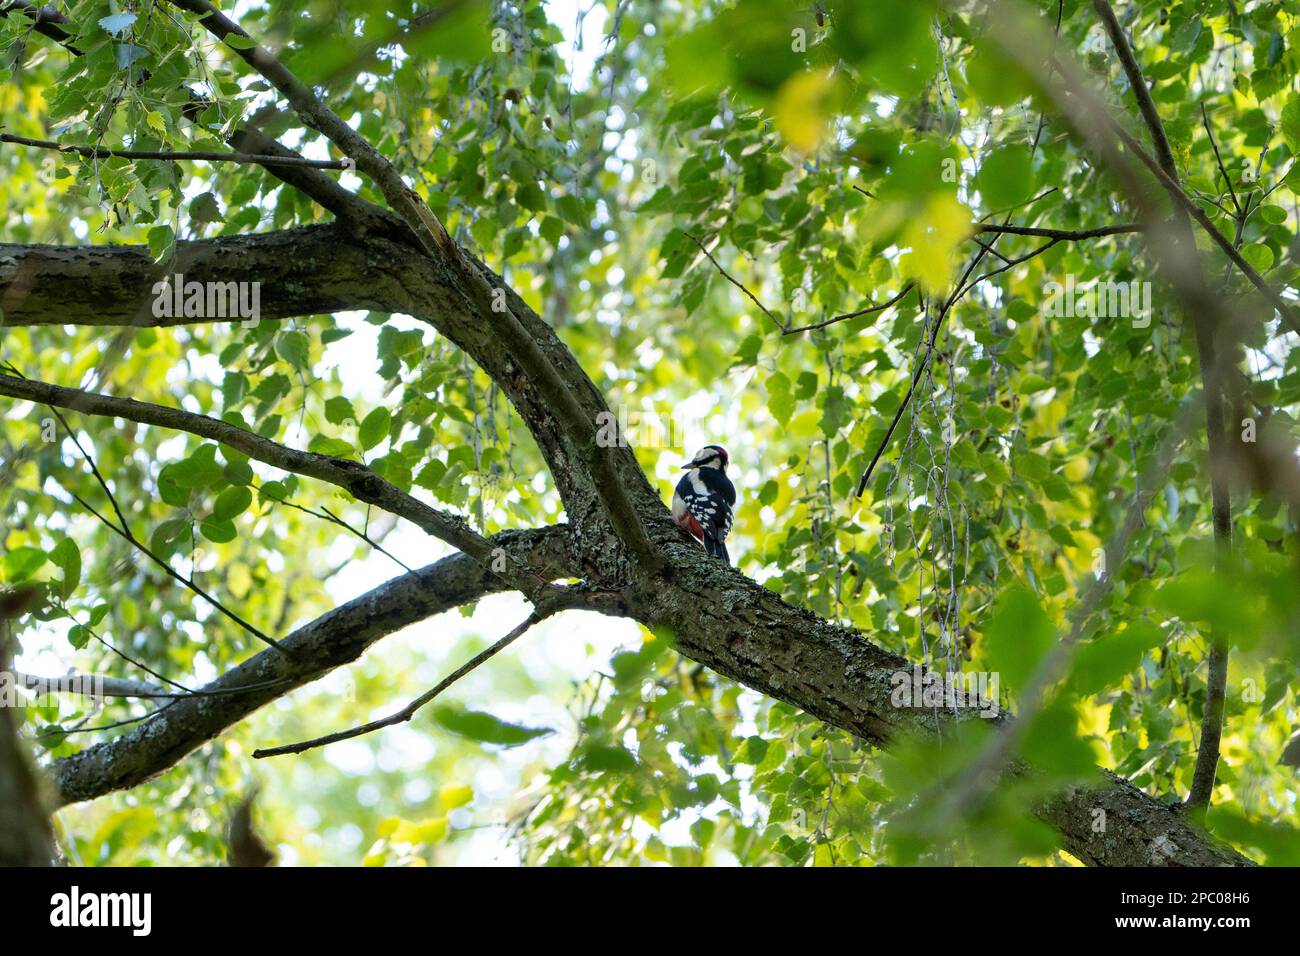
<point>409,711</point>
<point>868,310</point>
<point>736,282</point>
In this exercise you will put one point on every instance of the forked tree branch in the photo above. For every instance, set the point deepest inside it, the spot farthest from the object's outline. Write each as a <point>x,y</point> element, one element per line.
<point>332,640</point>
<point>581,430</point>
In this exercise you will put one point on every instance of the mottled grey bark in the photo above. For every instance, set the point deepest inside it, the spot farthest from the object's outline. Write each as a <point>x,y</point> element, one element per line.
<point>729,623</point>
<point>301,271</point>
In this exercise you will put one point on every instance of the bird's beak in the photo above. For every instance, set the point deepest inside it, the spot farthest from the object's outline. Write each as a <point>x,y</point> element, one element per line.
<point>693,463</point>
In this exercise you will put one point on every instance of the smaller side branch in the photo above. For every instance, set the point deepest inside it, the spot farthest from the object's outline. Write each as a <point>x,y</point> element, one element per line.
<point>409,711</point>
<point>1218,159</point>
<point>401,198</point>
<point>736,282</point>
<point>332,640</point>
<point>100,152</point>
<point>921,366</point>
<point>92,685</point>
<point>1056,235</point>
<point>868,310</point>
<point>1060,235</point>
<point>126,533</point>
<point>47,21</point>
<point>353,477</point>
<point>1176,193</point>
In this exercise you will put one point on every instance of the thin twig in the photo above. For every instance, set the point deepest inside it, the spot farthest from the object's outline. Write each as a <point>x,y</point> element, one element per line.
<point>1205,121</point>
<point>908,287</point>
<point>177,576</point>
<point>736,282</point>
<point>409,711</point>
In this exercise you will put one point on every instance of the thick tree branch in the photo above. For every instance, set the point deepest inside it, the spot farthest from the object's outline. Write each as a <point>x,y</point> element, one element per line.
<point>580,429</point>
<point>334,639</point>
<point>722,619</point>
<point>299,271</point>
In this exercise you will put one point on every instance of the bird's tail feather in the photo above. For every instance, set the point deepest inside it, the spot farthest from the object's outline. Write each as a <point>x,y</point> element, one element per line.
<point>716,548</point>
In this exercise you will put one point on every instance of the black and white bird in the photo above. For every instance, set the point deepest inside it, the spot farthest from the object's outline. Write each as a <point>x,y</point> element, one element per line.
<point>705,498</point>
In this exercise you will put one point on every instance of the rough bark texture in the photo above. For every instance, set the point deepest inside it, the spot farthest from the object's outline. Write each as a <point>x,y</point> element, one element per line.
<point>301,271</point>
<point>732,625</point>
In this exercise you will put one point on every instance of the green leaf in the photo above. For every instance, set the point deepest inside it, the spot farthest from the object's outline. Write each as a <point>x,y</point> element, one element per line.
<point>597,758</point>
<point>1102,663</point>
<point>334,447</point>
<point>1291,124</point>
<point>483,727</point>
<point>1006,178</point>
<point>1258,255</point>
<point>275,490</point>
<point>204,208</point>
<point>1031,384</point>
<point>165,536</point>
<point>78,636</point>
<point>217,530</point>
<point>232,502</point>
<point>293,347</point>
<point>374,429</point>
<point>67,556</point>
<point>574,210</point>
<point>198,471</point>
<point>161,242</point>
<point>339,410</point>
<point>21,563</point>
<point>118,23</point>
<point>1017,636</point>
<point>1053,745</point>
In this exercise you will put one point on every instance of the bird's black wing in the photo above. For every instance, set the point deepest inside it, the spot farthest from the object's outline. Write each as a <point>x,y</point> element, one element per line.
<point>722,498</point>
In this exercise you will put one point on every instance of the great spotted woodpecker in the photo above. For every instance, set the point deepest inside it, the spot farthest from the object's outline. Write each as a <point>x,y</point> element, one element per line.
<point>704,499</point>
